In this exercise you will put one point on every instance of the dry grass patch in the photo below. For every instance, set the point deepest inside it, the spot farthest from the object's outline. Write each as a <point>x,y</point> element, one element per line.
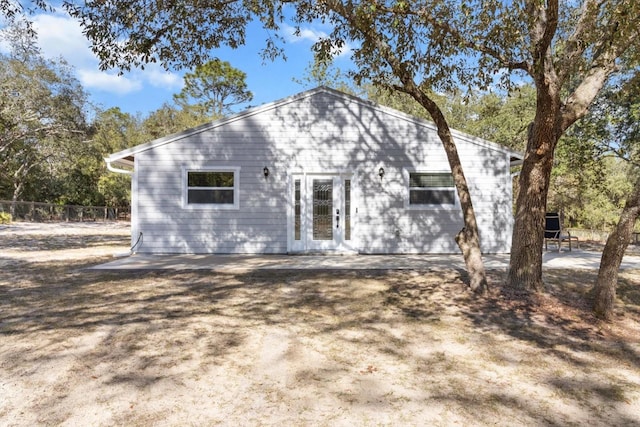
<point>306,348</point>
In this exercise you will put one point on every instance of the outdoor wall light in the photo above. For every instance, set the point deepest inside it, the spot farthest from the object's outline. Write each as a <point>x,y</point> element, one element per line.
<point>381,172</point>
<point>265,171</point>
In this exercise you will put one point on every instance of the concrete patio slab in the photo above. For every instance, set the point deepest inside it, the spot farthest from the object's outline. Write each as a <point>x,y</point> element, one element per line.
<point>551,260</point>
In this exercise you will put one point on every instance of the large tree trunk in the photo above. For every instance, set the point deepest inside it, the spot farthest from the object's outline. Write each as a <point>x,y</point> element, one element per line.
<point>525,264</point>
<point>468,239</point>
<point>469,244</point>
<point>604,290</point>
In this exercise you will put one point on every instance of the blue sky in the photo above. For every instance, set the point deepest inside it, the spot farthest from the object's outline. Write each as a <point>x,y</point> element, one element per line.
<point>146,90</point>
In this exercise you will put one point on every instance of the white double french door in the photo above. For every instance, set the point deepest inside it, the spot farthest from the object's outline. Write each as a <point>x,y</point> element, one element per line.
<point>321,219</point>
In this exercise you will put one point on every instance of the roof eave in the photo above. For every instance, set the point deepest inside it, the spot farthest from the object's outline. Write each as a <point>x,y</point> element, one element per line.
<point>117,164</point>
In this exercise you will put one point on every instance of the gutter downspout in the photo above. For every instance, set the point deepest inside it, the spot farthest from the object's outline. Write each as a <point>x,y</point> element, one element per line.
<point>126,172</point>
<point>116,170</point>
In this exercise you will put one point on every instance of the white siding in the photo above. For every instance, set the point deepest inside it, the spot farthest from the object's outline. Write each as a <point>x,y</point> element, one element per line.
<point>318,133</point>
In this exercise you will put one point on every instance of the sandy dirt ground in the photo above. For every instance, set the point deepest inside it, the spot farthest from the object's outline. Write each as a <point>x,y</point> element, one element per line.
<point>317,348</point>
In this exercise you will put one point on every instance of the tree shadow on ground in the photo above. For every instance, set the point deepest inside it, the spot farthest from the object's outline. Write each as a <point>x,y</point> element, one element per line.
<point>35,242</point>
<point>416,319</point>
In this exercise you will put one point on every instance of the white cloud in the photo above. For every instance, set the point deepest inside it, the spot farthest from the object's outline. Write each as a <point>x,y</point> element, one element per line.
<point>107,82</point>
<point>292,35</point>
<point>61,36</point>
<point>159,77</point>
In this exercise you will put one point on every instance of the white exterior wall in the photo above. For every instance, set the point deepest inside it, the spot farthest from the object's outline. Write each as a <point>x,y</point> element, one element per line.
<point>317,134</point>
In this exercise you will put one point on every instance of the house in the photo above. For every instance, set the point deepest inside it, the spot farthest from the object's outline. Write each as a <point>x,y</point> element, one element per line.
<point>318,171</point>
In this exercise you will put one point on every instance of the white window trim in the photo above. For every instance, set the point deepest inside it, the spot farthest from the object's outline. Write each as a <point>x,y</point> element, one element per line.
<point>211,206</point>
<point>431,207</point>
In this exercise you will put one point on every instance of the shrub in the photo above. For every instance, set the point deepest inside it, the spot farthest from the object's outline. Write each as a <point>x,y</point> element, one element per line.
<point>5,218</point>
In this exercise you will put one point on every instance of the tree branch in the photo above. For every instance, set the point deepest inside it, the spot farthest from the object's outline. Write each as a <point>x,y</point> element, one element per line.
<point>548,26</point>
<point>542,31</point>
<point>458,36</point>
<point>575,45</point>
<point>605,64</point>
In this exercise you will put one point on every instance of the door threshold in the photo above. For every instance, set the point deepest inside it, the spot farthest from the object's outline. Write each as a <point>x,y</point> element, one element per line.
<point>323,253</point>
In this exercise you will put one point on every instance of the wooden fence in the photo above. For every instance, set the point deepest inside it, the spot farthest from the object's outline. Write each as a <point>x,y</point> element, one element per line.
<point>43,212</point>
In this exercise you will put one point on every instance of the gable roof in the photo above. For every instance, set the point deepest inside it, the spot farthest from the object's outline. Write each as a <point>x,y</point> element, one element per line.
<point>126,157</point>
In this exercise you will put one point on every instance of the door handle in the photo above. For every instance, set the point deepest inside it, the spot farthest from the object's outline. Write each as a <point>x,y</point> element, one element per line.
<point>337,218</point>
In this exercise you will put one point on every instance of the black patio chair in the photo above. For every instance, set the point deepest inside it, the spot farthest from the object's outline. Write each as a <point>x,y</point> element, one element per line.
<point>553,231</point>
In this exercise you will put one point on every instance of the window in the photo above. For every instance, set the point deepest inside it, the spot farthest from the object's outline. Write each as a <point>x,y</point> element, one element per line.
<point>297,221</point>
<point>212,188</point>
<point>431,190</point>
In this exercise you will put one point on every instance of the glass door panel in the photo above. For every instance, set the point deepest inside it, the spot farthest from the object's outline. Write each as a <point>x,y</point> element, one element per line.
<point>322,209</point>
<point>347,209</point>
<point>297,219</point>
